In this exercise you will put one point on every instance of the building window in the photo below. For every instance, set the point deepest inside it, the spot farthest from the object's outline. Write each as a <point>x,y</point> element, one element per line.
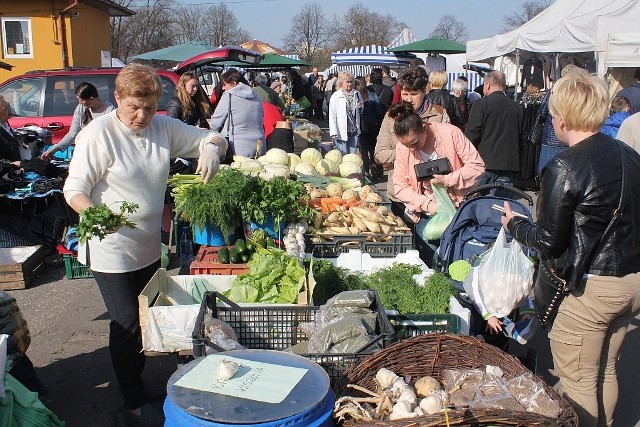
<point>17,38</point>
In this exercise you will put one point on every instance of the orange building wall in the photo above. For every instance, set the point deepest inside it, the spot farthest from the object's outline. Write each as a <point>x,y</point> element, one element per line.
<point>87,35</point>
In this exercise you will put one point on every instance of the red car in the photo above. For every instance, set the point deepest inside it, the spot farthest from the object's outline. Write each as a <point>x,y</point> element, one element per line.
<point>47,98</point>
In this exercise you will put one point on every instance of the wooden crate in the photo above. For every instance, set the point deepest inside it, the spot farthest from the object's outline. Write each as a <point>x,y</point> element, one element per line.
<point>19,266</point>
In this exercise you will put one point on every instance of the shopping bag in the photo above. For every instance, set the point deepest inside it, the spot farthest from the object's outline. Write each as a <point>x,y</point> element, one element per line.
<point>303,102</point>
<point>505,276</point>
<point>445,212</point>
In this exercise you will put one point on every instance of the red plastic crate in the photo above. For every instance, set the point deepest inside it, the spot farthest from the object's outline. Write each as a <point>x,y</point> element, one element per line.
<point>206,262</point>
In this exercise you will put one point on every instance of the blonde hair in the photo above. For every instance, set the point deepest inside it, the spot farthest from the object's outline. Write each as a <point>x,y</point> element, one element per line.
<point>342,76</point>
<point>189,104</point>
<point>138,81</point>
<point>582,100</point>
<point>438,79</point>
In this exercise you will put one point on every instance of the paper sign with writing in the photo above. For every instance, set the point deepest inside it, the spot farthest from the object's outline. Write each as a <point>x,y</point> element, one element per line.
<point>259,381</point>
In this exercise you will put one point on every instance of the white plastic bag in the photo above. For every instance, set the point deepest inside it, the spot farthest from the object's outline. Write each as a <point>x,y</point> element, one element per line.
<point>505,276</point>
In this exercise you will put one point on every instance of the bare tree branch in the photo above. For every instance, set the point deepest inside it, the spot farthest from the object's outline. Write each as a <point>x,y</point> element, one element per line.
<point>451,29</point>
<point>308,34</point>
<point>525,13</point>
<point>222,26</point>
<point>358,26</point>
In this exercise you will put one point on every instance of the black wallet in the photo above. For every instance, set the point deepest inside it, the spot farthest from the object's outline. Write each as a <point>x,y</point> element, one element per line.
<point>426,170</point>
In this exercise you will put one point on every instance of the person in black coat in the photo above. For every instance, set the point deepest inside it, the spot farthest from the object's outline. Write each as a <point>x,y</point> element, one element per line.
<point>384,92</point>
<point>9,150</point>
<point>495,128</point>
<point>439,95</point>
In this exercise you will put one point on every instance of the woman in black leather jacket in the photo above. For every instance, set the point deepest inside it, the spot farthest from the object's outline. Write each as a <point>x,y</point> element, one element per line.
<point>190,104</point>
<point>580,190</point>
<point>439,95</point>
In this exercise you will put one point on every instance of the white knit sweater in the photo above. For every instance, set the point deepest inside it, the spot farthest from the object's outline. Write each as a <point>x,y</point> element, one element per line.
<point>113,163</point>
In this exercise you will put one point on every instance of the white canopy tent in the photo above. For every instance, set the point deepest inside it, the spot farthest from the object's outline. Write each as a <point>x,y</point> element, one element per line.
<point>565,26</point>
<point>405,37</point>
<point>623,50</point>
<point>370,55</point>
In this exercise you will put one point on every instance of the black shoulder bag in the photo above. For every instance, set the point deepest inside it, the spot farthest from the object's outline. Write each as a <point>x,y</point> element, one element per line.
<point>550,289</point>
<point>228,157</point>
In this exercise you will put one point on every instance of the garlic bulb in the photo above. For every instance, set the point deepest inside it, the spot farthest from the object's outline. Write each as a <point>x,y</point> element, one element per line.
<point>226,370</point>
<point>431,404</point>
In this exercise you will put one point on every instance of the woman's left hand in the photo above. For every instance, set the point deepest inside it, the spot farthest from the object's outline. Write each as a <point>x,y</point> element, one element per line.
<point>506,217</point>
<point>437,179</point>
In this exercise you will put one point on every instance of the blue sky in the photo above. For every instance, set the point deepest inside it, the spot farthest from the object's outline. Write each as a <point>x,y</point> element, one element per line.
<point>270,20</point>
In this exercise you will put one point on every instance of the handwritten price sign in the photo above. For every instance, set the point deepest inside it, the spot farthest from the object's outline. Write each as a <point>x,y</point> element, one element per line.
<point>263,382</point>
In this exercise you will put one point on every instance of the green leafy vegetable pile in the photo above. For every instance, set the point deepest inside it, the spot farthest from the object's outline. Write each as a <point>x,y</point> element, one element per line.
<point>273,277</point>
<point>99,220</point>
<point>279,198</point>
<point>395,286</point>
<point>217,202</point>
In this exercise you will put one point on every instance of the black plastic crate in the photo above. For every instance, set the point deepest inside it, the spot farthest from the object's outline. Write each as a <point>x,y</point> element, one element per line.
<point>275,327</point>
<point>411,325</point>
<point>379,245</point>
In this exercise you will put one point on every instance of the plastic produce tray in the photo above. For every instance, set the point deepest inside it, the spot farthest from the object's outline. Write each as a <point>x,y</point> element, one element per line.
<point>75,270</point>
<point>377,245</point>
<point>411,325</point>
<point>206,262</point>
<point>275,327</point>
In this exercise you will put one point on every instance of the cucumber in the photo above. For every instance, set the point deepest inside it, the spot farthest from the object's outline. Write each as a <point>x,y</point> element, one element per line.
<point>251,247</point>
<point>234,256</point>
<point>223,255</point>
<point>245,257</point>
<point>241,247</point>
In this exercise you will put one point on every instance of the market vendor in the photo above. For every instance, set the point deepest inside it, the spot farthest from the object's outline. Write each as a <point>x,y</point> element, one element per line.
<point>421,141</point>
<point>9,151</point>
<point>124,156</point>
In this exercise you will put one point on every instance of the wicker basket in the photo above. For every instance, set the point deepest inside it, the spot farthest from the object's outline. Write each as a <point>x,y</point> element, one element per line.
<point>431,354</point>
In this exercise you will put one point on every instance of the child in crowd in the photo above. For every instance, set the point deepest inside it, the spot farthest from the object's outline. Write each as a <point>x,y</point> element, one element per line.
<point>619,111</point>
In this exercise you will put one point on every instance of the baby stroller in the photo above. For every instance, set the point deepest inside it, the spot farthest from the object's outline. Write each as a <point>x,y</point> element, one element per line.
<point>471,232</point>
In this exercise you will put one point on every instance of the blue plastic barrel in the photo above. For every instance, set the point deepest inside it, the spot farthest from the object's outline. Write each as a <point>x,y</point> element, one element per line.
<point>321,416</point>
<point>310,403</point>
<point>211,236</point>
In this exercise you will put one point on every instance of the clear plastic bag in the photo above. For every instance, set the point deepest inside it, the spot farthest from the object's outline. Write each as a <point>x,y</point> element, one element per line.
<point>532,396</point>
<point>445,212</point>
<point>505,276</point>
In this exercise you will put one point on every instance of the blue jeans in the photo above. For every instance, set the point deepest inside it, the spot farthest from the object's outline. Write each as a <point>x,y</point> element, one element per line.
<point>349,146</point>
<point>547,153</point>
<point>495,177</point>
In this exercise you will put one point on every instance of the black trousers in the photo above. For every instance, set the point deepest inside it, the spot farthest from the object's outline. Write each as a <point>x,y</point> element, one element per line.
<point>120,293</point>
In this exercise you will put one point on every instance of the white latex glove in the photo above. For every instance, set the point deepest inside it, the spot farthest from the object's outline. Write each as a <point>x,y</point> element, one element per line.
<point>209,162</point>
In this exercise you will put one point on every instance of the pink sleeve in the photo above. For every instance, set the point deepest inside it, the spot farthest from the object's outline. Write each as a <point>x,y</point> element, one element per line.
<point>405,183</point>
<point>470,164</point>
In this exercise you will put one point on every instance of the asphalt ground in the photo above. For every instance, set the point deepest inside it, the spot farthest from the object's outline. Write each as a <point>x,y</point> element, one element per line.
<point>69,328</point>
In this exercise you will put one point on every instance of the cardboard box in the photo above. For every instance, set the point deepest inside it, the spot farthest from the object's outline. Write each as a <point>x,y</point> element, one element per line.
<point>19,266</point>
<point>168,311</point>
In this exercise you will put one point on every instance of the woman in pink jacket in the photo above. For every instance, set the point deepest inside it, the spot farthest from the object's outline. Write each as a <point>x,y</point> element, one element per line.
<point>421,141</point>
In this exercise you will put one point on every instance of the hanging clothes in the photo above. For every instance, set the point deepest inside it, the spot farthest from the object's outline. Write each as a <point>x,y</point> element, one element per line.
<point>508,67</point>
<point>532,73</point>
<point>529,152</point>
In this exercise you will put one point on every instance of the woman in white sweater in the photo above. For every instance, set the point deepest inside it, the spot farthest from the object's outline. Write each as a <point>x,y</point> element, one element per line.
<point>124,156</point>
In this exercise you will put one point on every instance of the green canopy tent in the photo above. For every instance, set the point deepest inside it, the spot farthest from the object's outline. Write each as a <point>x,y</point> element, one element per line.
<point>176,53</point>
<point>433,44</point>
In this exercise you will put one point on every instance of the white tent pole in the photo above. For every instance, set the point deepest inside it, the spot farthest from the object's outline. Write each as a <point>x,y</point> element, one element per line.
<point>515,92</point>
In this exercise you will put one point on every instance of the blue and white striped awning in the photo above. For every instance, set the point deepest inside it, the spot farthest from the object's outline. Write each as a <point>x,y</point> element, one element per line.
<point>370,55</point>
<point>474,79</point>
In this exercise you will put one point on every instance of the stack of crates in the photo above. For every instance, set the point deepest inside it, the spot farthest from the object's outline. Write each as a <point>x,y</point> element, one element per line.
<point>73,268</point>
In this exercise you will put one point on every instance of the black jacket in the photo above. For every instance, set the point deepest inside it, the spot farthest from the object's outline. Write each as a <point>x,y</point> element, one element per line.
<point>579,191</point>
<point>495,128</point>
<point>385,94</point>
<point>443,98</point>
<point>8,146</point>
<point>195,118</point>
